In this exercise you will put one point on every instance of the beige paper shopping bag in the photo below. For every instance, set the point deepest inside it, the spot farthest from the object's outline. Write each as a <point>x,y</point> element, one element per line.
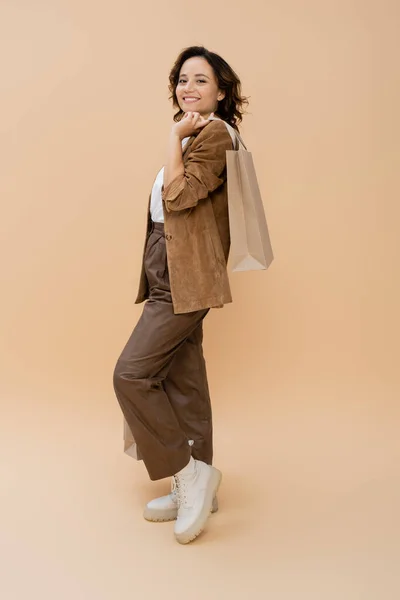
<point>250,242</point>
<point>130,446</point>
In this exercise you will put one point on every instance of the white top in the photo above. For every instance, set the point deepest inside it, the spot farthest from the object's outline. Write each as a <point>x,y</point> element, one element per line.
<point>156,204</point>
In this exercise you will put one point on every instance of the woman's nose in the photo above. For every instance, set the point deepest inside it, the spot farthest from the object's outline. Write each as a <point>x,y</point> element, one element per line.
<point>188,87</point>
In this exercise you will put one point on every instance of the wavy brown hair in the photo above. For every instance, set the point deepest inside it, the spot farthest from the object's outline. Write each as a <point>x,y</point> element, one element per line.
<point>230,109</point>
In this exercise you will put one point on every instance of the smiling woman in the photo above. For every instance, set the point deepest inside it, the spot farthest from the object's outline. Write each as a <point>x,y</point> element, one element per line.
<point>200,89</point>
<point>160,378</point>
<point>204,75</point>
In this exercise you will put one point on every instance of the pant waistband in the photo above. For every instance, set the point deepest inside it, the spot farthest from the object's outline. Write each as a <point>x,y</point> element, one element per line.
<point>159,227</point>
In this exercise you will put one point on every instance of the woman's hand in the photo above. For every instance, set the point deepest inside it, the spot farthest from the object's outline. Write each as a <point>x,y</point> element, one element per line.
<point>190,123</point>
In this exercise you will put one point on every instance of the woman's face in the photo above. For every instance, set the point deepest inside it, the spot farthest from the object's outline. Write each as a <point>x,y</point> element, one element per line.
<point>197,88</point>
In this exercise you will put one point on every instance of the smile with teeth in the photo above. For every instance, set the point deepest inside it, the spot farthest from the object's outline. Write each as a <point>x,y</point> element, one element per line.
<point>190,99</point>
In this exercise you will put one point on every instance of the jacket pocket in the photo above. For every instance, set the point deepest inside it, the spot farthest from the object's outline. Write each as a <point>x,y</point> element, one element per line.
<point>218,263</point>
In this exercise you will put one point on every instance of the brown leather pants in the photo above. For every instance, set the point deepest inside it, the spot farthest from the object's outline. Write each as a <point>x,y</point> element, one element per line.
<point>160,378</point>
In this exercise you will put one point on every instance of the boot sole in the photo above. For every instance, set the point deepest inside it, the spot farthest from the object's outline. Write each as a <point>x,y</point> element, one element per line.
<point>198,526</point>
<point>161,516</point>
<point>164,516</point>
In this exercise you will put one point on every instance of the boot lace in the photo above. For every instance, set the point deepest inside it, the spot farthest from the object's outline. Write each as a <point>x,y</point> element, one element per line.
<point>179,487</point>
<point>174,491</point>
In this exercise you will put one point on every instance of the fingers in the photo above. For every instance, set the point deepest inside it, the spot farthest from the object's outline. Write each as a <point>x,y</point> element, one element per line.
<point>192,115</point>
<point>196,120</point>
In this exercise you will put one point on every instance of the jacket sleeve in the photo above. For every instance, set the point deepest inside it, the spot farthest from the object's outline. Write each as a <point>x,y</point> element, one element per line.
<point>204,169</point>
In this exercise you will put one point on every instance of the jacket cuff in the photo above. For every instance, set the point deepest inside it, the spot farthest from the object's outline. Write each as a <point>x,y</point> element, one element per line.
<point>172,191</point>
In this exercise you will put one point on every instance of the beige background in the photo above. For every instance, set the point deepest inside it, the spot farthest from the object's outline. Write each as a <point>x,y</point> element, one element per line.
<point>303,366</point>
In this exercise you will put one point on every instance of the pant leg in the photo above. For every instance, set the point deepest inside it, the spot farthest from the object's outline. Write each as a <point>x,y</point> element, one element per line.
<point>143,366</point>
<point>187,389</point>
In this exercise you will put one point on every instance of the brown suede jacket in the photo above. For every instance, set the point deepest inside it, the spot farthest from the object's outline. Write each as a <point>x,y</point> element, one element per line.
<point>197,225</point>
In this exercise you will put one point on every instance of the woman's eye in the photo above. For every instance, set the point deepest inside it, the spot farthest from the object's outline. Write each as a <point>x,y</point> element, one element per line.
<point>182,81</point>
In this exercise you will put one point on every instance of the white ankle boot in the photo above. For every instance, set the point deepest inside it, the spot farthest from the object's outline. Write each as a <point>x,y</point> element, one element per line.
<point>196,487</point>
<point>166,508</point>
